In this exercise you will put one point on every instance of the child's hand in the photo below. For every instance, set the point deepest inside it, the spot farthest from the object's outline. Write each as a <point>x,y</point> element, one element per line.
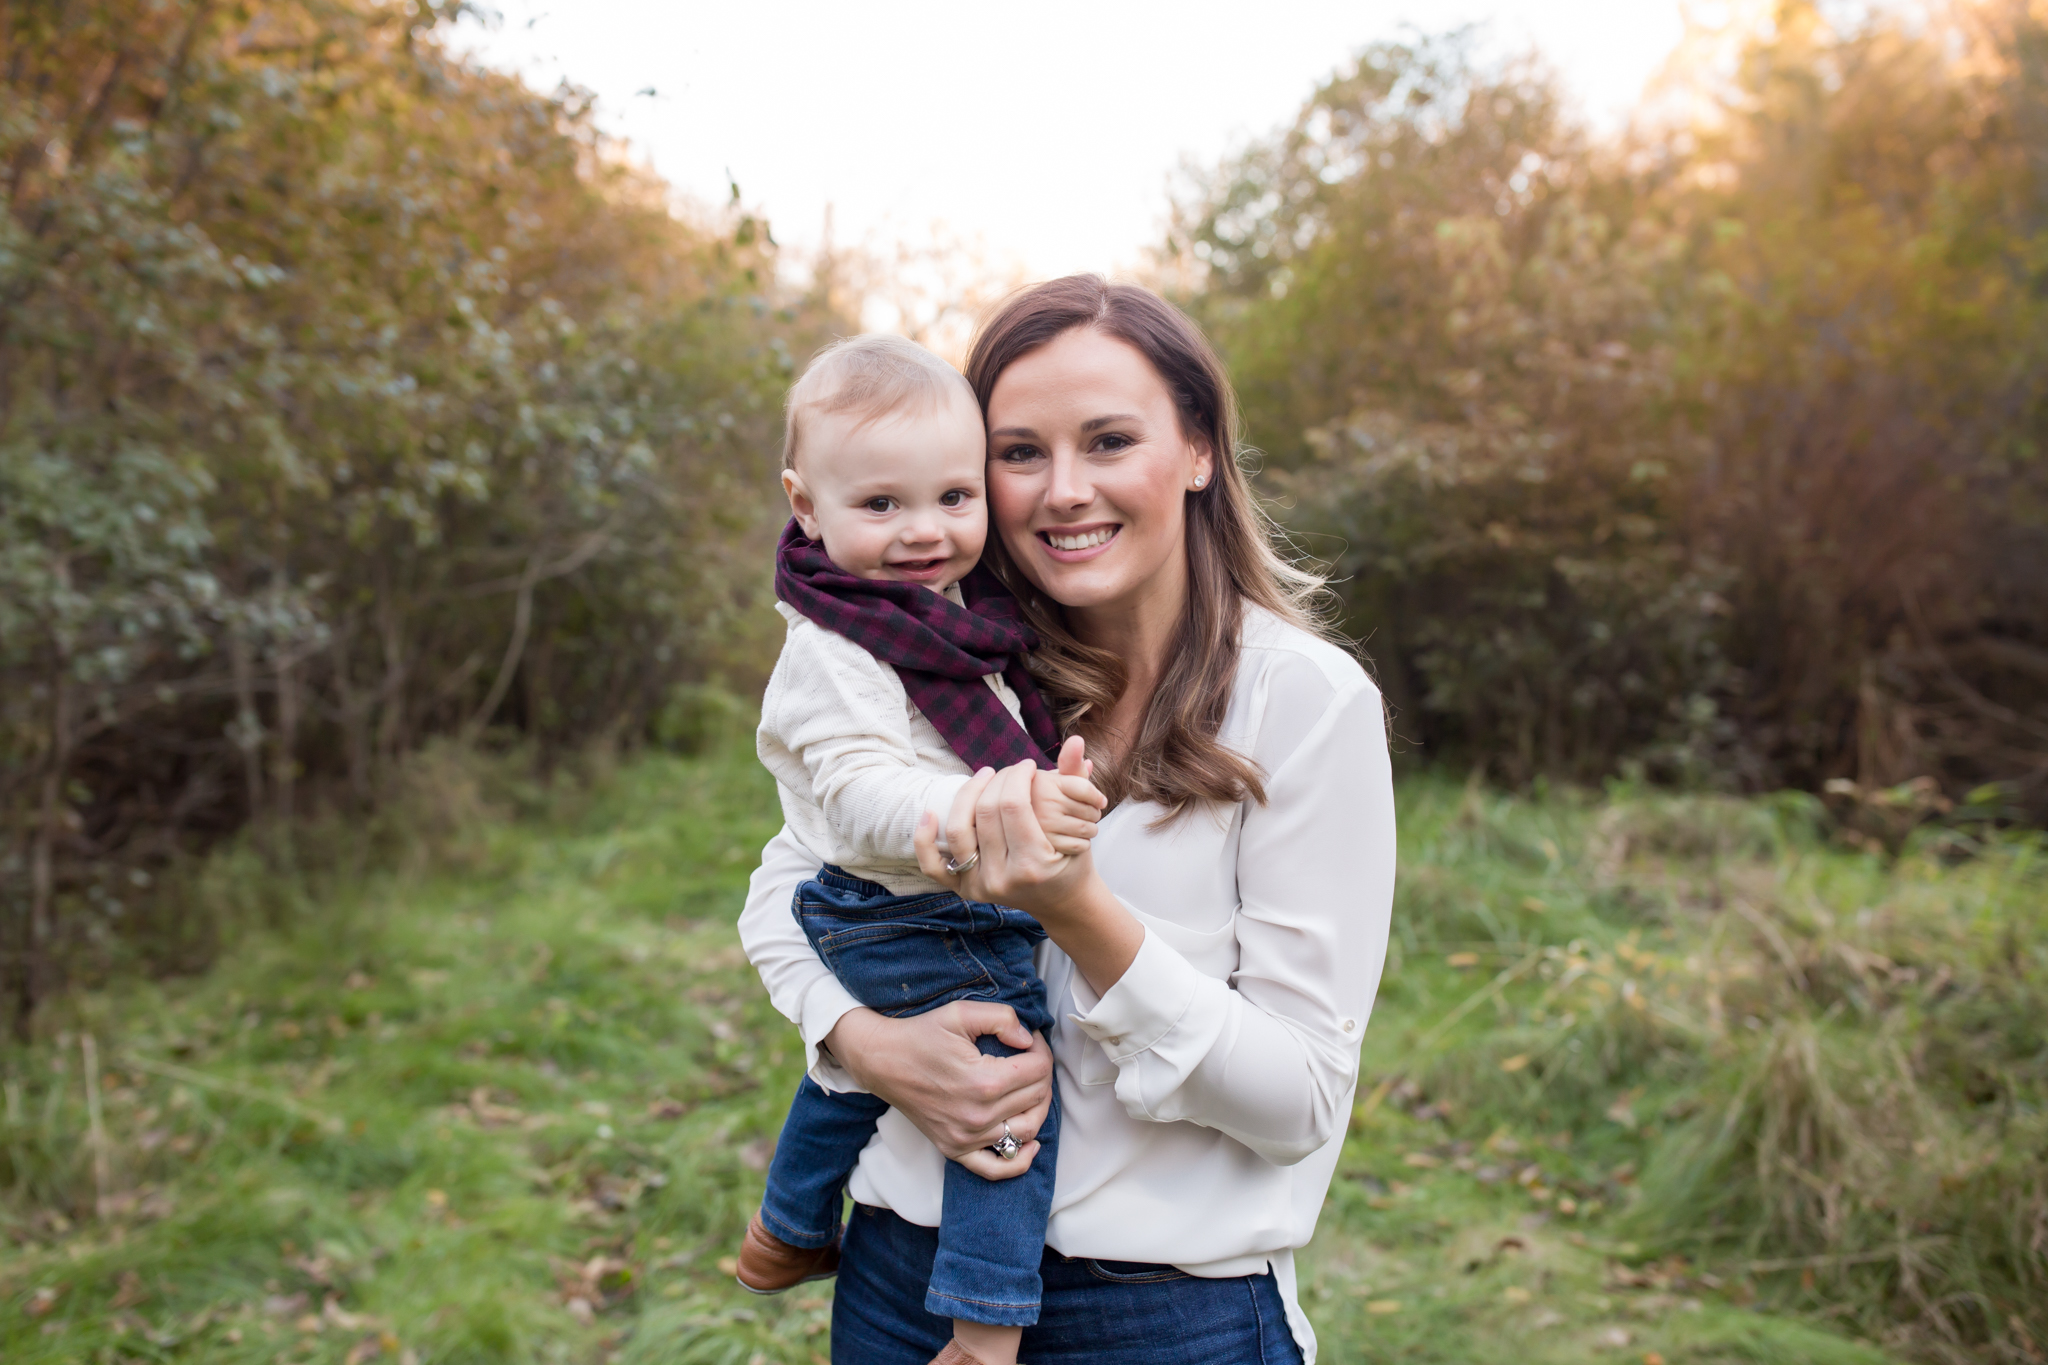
<point>1066,803</point>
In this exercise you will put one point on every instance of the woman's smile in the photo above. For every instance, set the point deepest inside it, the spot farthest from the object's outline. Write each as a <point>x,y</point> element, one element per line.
<point>1074,544</point>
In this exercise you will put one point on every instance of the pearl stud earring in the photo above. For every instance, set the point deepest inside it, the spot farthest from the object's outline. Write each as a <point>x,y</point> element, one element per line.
<point>1201,479</point>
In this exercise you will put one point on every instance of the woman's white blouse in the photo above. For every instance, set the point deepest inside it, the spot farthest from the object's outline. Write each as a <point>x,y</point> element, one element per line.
<point>1204,1098</point>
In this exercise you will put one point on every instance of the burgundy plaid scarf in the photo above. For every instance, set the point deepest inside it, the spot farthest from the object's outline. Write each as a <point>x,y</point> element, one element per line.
<point>941,651</point>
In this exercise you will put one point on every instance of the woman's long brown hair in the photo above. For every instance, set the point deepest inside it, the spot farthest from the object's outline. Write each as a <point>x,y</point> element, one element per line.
<point>1174,758</point>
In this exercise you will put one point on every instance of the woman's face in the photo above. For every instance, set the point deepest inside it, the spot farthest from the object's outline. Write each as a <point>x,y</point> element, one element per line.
<point>1089,473</point>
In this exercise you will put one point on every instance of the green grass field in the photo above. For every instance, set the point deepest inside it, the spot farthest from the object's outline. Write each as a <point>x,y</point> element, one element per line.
<point>512,1102</point>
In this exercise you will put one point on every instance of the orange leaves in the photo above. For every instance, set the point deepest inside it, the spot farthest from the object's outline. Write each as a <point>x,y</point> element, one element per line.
<point>588,1288</point>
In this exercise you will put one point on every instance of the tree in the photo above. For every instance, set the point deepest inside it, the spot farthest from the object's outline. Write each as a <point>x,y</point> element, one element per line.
<point>350,395</point>
<point>1712,453</point>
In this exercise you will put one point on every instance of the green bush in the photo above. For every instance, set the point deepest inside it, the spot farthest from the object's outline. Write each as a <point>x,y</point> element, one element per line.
<point>351,396</point>
<point>1711,454</point>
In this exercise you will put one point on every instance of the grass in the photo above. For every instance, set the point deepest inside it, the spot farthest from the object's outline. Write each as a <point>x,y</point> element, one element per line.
<point>1637,1089</point>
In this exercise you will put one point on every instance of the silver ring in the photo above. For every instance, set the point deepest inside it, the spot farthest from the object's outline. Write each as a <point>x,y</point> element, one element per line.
<point>1007,1145</point>
<point>955,869</point>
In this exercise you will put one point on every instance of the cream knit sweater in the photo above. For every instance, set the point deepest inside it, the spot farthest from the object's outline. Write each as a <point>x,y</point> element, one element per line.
<point>855,761</point>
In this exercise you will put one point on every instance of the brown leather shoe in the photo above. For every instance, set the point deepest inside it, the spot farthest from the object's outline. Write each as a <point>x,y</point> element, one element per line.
<point>769,1265</point>
<point>956,1354</point>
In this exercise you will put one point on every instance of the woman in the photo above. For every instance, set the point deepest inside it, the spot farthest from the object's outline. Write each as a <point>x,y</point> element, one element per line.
<point>1212,960</point>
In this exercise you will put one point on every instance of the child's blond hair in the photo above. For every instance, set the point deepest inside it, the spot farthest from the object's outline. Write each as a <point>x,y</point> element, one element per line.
<point>872,374</point>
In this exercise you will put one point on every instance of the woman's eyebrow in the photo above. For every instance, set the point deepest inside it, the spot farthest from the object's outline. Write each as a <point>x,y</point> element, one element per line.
<point>1026,432</point>
<point>1092,423</point>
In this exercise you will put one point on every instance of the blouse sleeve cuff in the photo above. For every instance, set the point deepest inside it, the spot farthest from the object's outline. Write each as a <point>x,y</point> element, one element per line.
<point>825,1004</point>
<point>1147,1002</point>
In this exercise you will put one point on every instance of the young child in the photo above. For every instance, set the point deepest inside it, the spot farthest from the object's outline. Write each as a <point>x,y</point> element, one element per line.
<point>903,672</point>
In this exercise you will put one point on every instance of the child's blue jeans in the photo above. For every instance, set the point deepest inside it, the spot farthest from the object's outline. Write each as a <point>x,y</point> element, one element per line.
<point>902,956</point>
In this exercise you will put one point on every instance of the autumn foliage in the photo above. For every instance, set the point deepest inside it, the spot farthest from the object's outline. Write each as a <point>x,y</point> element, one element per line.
<point>353,397</point>
<point>1714,452</point>
<point>349,395</point>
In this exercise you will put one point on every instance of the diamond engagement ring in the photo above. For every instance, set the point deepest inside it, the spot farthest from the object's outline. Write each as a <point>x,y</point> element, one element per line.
<point>1007,1145</point>
<point>967,865</point>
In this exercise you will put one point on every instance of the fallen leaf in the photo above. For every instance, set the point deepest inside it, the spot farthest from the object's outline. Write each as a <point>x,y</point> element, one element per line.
<point>1614,1337</point>
<point>667,1109</point>
<point>1516,1062</point>
<point>728,1265</point>
<point>1652,1358</point>
<point>581,1310</point>
<point>43,1300</point>
<point>1514,1293</point>
<point>1462,960</point>
<point>490,1114</point>
<point>608,1275</point>
<point>131,1291</point>
<point>319,1269</point>
<point>1383,1306</point>
<point>1421,1159</point>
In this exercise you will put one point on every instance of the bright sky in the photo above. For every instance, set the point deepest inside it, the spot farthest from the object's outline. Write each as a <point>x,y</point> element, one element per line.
<point>1048,132</point>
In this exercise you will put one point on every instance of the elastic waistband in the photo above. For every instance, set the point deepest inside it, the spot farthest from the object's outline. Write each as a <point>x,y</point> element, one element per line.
<point>839,879</point>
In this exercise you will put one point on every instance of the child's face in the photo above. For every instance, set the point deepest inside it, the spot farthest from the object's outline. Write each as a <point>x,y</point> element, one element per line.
<point>900,497</point>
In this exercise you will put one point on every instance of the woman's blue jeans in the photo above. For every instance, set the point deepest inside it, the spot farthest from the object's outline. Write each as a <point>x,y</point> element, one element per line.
<point>1092,1312</point>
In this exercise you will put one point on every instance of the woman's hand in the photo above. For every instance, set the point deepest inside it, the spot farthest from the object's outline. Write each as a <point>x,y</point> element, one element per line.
<point>928,1068</point>
<point>1005,858</point>
<point>994,816</point>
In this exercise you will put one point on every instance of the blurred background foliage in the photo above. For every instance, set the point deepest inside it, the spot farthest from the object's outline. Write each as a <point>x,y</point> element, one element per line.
<point>356,399</point>
<point>1712,452</point>
<point>350,396</point>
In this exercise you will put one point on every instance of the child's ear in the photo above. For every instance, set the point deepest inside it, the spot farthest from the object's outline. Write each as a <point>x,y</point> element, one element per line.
<point>800,505</point>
